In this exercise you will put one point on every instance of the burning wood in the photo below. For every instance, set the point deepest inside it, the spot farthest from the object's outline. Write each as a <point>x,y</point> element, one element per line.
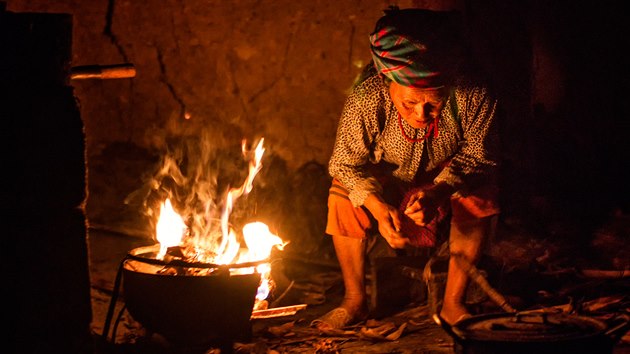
<point>277,311</point>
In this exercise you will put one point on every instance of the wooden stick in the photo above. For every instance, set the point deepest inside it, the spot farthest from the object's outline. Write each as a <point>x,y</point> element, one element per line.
<point>116,71</point>
<point>605,274</point>
<point>478,278</point>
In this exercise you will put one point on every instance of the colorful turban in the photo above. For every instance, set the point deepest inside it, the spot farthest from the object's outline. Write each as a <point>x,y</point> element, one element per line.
<point>410,47</point>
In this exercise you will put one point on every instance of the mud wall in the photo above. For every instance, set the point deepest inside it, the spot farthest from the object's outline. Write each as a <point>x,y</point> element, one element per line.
<point>222,71</point>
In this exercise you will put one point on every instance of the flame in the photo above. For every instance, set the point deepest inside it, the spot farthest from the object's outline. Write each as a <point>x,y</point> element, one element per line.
<point>260,242</point>
<point>170,228</point>
<point>235,193</point>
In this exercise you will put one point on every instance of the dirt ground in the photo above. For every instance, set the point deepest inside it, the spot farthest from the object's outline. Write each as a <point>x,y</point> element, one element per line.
<point>288,334</point>
<point>402,329</point>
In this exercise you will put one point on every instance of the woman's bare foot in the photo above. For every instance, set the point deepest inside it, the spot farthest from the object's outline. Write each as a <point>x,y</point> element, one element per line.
<point>346,314</point>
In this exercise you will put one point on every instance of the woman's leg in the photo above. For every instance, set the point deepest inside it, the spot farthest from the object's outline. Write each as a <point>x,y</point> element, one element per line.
<point>347,225</point>
<point>351,256</point>
<point>466,242</point>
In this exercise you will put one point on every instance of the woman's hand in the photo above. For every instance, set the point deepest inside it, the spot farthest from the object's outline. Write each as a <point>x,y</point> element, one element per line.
<point>388,219</point>
<point>423,205</point>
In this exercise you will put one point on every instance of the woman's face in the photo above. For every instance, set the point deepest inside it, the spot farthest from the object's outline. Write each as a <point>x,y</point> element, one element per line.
<point>417,106</point>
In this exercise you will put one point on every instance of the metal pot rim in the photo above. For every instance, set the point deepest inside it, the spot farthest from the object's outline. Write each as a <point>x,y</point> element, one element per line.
<point>528,327</point>
<point>147,254</point>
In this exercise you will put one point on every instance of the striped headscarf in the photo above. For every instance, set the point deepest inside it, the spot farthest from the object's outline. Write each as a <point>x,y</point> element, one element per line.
<point>412,46</point>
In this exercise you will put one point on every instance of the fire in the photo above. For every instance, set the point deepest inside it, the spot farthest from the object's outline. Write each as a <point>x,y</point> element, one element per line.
<point>170,228</point>
<point>235,193</point>
<point>218,242</point>
<point>260,242</point>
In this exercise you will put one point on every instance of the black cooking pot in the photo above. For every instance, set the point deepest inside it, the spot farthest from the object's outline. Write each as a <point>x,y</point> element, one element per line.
<point>537,333</point>
<point>189,309</point>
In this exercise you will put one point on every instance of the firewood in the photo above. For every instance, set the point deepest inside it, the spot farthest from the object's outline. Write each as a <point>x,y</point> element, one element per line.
<point>477,277</point>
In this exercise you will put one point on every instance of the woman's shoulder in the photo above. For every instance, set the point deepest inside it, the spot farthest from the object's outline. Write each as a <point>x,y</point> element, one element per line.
<point>369,87</point>
<point>370,84</point>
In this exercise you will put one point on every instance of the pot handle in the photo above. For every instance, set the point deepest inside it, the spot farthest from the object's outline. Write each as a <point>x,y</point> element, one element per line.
<point>619,326</point>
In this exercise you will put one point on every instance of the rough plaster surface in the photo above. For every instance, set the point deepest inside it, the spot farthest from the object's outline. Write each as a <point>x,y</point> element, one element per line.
<point>282,69</point>
<point>232,69</point>
<point>279,69</point>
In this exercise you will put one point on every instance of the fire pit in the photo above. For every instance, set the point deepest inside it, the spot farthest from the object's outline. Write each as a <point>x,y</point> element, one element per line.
<point>198,285</point>
<point>188,310</point>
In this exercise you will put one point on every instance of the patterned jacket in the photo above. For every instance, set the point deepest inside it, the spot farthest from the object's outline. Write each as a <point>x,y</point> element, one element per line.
<point>369,133</point>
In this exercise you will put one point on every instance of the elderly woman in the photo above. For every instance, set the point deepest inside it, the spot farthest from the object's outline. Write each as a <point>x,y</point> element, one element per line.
<point>416,145</point>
